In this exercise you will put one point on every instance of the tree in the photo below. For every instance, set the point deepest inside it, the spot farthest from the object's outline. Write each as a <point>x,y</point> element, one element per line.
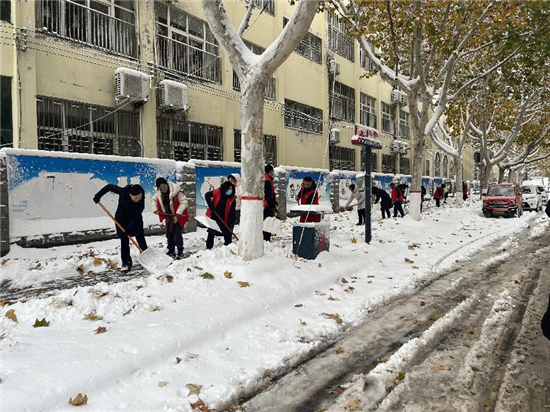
<point>426,43</point>
<point>254,72</point>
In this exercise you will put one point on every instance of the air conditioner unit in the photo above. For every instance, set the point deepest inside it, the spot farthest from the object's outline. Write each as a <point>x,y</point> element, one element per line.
<point>403,99</point>
<point>334,136</point>
<point>334,67</point>
<point>399,147</point>
<point>131,86</point>
<point>395,95</point>
<point>173,96</point>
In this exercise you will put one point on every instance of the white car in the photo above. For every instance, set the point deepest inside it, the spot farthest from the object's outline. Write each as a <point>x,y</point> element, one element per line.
<point>532,199</point>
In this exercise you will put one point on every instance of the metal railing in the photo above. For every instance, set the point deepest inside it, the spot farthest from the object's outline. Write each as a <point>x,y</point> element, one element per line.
<point>84,25</point>
<point>341,44</point>
<point>404,131</point>
<point>183,58</point>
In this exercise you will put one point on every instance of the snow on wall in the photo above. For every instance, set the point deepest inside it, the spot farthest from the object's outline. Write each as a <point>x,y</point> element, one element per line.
<point>52,192</point>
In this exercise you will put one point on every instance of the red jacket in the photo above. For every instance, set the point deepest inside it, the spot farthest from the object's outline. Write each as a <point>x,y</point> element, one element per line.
<point>216,196</point>
<point>269,191</point>
<point>182,219</point>
<point>309,197</point>
<point>438,193</point>
<point>396,194</point>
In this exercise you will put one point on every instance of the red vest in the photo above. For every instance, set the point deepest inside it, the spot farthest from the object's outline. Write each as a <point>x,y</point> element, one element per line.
<point>268,179</point>
<point>438,193</point>
<point>394,196</point>
<point>304,217</point>
<point>182,220</point>
<point>216,199</point>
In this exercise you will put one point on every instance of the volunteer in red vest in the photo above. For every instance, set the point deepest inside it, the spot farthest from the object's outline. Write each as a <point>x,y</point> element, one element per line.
<point>439,194</point>
<point>221,208</point>
<point>397,199</point>
<point>270,204</point>
<point>170,204</point>
<point>308,196</point>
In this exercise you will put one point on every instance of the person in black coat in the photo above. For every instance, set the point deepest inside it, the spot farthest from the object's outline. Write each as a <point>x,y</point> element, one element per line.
<point>221,208</point>
<point>131,203</point>
<point>385,201</point>
<point>270,204</point>
<point>545,324</point>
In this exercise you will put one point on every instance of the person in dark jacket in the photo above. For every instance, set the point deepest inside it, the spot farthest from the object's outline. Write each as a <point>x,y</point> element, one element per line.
<point>464,191</point>
<point>385,201</point>
<point>308,195</point>
<point>423,192</point>
<point>545,324</point>
<point>131,203</point>
<point>221,209</point>
<point>397,199</point>
<point>270,204</point>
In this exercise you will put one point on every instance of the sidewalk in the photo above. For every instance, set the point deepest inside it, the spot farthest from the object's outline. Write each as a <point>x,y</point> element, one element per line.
<point>213,322</point>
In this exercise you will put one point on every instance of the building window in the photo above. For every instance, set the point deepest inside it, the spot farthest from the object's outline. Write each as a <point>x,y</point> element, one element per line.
<point>342,158</point>
<point>109,25</point>
<point>427,168</point>
<point>6,115</point>
<point>373,161</point>
<point>270,90</point>
<point>266,6</point>
<point>338,39</point>
<point>185,44</point>
<point>309,46</point>
<point>404,127</point>
<point>270,148</point>
<point>303,117</point>
<point>437,165</point>
<point>181,140</point>
<point>68,126</point>
<point>5,10</point>
<point>388,119</point>
<point>452,170</point>
<point>365,62</point>
<point>388,163</point>
<point>445,167</point>
<point>342,102</point>
<point>404,165</point>
<point>367,111</point>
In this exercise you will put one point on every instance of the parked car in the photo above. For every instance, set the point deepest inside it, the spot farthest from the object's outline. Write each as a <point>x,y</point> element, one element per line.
<point>532,199</point>
<point>503,200</point>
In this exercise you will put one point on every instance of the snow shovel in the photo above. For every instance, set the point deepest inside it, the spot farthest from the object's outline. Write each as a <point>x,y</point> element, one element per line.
<point>225,224</point>
<point>272,225</point>
<point>151,259</point>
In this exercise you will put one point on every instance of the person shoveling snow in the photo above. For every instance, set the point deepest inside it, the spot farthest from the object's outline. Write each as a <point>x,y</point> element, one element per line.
<point>129,223</point>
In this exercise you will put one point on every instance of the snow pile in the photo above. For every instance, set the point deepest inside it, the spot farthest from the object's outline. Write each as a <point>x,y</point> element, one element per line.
<point>213,326</point>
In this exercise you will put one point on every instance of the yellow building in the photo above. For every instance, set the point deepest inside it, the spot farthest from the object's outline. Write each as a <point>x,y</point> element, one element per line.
<point>59,59</point>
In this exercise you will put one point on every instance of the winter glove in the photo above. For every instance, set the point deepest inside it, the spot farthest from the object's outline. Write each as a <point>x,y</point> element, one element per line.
<point>545,324</point>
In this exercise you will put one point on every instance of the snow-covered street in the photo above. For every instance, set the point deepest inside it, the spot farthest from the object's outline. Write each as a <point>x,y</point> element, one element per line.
<point>425,305</point>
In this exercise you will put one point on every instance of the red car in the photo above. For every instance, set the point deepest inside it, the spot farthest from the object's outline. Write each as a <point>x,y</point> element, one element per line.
<point>503,200</point>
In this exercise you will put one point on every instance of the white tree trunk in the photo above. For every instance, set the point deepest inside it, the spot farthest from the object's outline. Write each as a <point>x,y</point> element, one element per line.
<point>419,153</point>
<point>251,244</point>
<point>459,199</point>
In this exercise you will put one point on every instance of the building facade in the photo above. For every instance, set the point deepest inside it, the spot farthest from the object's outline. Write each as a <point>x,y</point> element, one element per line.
<point>58,86</point>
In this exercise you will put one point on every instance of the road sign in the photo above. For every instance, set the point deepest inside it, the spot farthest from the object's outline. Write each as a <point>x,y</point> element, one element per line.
<point>366,136</point>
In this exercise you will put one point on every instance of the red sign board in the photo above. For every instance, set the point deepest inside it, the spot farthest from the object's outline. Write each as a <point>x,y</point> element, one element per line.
<point>366,136</point>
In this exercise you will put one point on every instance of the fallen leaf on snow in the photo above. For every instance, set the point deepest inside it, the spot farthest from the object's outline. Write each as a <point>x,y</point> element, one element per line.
<point>98,261</point>
<point>3,302</point>
<point>163,384</point>
<point>200,405</point>
<point>302,322</point>
<point>298,306</point>
<point>193,389</point>
<point>244,284</point>
<point>353,240</point>
<point>228,275</point>
<point>169,278</point>
<point>487,404</point>
<point>339,351</point>
<point>370,276</point>
<point>416,267</point>
<point>422,303</point>
<point>334,317</point>
<point>190,355</point>
<point>178,361</point>
<point>10,314</point>
<point>80,269</point>
<point>407,260</point>
<point>332,298</point>
<point>92,317</point>
<point>155,309</point>
<point>79,400</point>
<point>334,391</point>
<point>267,373</point>
<point>41,323</point>
<point>344,280</point>
<point>100,329</point>
<point>353,405</point>
<point>207,275</point>
<point>198,268</point>
<point>443,368</point>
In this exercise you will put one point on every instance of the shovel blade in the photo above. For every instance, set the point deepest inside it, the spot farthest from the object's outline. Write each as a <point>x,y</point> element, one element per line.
<point>154,260</point>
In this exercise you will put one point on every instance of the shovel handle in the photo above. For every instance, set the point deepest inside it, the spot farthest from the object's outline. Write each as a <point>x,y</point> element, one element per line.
<point>225,224</point>
<point>119,226</point>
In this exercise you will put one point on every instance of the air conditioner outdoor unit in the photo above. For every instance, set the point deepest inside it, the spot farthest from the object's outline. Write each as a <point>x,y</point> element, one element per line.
<point>395,97</point>
<point>334,136</point>
<point>131,86</point>
<point>334,67</point>
<point>173,96</point>
<point>403,99</point>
